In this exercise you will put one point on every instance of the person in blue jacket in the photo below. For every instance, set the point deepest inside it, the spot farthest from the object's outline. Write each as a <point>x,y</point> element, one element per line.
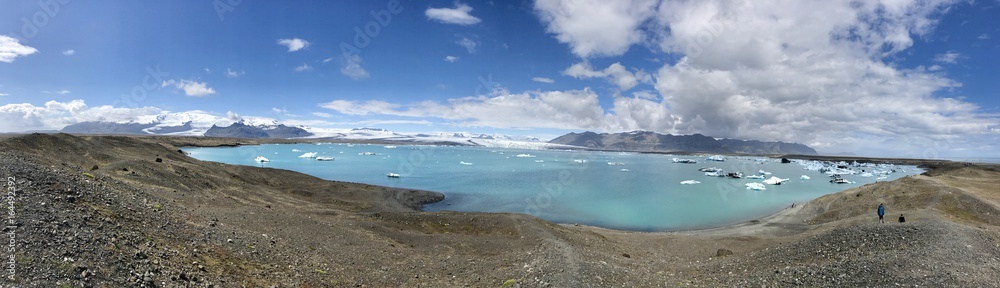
<point>881,213</point>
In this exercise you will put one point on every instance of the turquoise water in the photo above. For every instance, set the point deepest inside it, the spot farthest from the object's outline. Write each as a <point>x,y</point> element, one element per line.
<point>559,186</point>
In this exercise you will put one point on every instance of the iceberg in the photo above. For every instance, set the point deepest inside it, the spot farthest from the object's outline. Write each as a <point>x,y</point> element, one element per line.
<point>296,150</point>
<point>717,158</point>
<point>755,186</point>
<point>804,177</point>
<point>690,182</point>
<point>309,155</point>
<point>755,177</point>
<point>464,163</point>
<point>392,175</point>
<point>261,159</point>
<point>774,181</point>
<point>324,158</point>
<point>525,156</point>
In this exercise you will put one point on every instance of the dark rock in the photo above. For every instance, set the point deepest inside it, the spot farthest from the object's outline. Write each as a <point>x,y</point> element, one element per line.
<point>94,168</point>
<point>159,160</point>
<point>626,255</point>
<point>723,252</point>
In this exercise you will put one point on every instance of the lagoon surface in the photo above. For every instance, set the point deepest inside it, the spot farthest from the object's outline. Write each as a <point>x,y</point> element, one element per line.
<point>583,187</point>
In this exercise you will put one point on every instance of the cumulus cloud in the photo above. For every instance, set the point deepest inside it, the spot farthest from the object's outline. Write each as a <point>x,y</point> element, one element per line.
<point>458,15</point>
<point>615,74</point>
<point>551,109</point>
<point>352,67</point>
<point>69,52</point>
<point>11,48</point>
<point>294,44</point>
<point>303,67</point>
<point>813,72</point>
<point>55,115</point>
<point>983,36</point>
<point>468,44</point>
<point>190,87</point>
<point>596,27</point>
<point>451,59</point>
<point>543,80</point>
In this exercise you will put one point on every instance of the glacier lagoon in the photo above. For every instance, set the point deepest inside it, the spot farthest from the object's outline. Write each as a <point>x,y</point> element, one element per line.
<point>626,191</point>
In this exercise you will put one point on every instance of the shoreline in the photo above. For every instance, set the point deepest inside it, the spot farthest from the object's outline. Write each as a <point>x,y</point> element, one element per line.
<point>742,227</point>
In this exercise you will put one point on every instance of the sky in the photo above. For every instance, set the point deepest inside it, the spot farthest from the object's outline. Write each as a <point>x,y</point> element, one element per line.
<point>878,78</point>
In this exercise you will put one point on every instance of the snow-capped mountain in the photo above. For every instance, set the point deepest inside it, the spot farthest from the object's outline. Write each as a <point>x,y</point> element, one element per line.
<point>190,123</point>
<point>200,123</point>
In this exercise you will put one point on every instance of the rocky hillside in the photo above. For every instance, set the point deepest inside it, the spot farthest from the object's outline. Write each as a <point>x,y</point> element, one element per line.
<point>646,141</point>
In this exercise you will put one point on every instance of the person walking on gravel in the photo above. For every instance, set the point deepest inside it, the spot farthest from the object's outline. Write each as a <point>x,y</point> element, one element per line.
<point>881,213</point>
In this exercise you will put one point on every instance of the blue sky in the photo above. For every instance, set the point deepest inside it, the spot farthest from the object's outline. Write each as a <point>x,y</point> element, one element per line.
<point>901,78</point>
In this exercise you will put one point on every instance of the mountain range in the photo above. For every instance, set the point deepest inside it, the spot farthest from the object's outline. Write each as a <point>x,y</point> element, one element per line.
<point>646,141</point>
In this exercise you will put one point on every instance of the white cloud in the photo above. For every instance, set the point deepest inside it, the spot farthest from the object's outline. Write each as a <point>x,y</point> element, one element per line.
<point>327,60</point>
<point>303,67</point>
<point>458,15</point>
<point>615,74</point>
<point>469,44</point>
<point>11,48</point>
<point>69,52</point>
<point>55,115</point>
<point>451,59</point>
<point>4,94</point>
<point>543,80</point>
<point>234,74</point>
<point>321,114</point>
<point>552,109</point>
<point>190,87</point>
<point>813,72</point>
<point>983,36</point>
<point>294,44</point>
<point>60,92</point>
<point>596,27</point>
<point>950,57</point>
<point>352,68</point>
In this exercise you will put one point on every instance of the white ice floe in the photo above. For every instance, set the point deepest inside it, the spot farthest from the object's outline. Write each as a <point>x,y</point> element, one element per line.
<point>755,186</point>
<point>309,155</point>
<point>804,177</point>
<point>296,150</point>
<point>717,158</point>
<point>261,159</point>
<point>690,182</point>
<point>755,177</point>
<point>392,175</point>
<point>525,156</point>
<point>624,170</point>
<point>464,163</point>
<point>324,158</point>
<point>774,181</point>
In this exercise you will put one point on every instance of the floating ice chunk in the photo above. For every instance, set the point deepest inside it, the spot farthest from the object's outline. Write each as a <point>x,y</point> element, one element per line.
<point>309,155</point>
<point>804,177</point>
<point>774,181</point>
<point>464,163</point>
<point>261,159</point>
<point>755,186</point>
<point>690,182</point>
